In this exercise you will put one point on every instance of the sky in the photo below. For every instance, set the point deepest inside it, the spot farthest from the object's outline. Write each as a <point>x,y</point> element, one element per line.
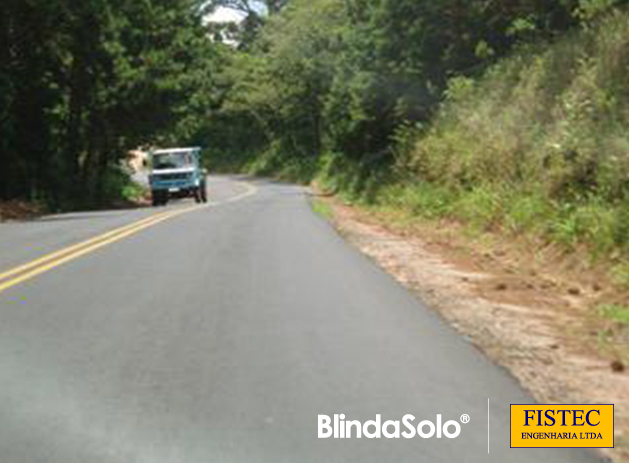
<point>223,15</point>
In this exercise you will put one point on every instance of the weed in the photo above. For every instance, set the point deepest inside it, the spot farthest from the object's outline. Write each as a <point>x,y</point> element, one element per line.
<point>528,213</point>
<point>536,145</point>
<point>620,274</point>
<point>615,313</point>
<point>322,209</point>
<point>481,207</point>
<point>133,191</point>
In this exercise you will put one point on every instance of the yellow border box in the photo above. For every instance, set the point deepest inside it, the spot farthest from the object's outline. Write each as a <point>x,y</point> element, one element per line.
<point>566,426</point>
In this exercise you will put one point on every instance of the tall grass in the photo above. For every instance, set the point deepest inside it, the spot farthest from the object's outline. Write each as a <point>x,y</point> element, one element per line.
<point>540,144</point>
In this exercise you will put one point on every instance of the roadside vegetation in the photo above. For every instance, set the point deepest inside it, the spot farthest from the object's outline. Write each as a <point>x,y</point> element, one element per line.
<point>538,145</point>
<point>506,116</point>
<point>82,83</point>
<point>322,209</point>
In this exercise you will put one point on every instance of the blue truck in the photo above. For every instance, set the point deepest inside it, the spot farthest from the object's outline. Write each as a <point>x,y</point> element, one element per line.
<point>177,173</point>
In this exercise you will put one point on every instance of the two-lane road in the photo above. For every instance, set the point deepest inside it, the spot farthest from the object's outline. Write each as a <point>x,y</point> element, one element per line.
<point>219,335</point>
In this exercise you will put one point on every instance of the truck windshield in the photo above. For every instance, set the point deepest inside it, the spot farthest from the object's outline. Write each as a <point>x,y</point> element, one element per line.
<point>171,160</point>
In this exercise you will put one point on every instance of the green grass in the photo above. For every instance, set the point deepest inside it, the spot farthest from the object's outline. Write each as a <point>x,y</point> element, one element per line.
<point>620,274</point>
<point>615,313</point>
<point>133,192</point>
<point>322,209</point>
<point>537,145</point>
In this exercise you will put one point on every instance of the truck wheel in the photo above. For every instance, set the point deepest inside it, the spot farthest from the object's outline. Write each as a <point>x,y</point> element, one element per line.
<point>155,197</point>
<point>160,198</point>
<point>198,196</point>
<point>204,192</point>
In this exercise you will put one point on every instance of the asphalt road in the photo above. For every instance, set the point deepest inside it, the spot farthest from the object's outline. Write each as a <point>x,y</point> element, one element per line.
<point>220,334</point>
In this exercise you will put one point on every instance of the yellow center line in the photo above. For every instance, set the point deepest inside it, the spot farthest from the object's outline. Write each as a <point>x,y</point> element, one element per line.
<point>250,190</point>
<point>50,261</point>
<point>84,250</point>
<point>69,249</point>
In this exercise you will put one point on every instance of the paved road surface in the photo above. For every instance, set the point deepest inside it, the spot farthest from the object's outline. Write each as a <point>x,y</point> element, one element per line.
<point>219,335</point>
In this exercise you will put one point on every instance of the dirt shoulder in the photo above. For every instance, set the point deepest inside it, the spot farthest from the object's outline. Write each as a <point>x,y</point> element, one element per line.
<point>19,210</point>
<point>529,311</point>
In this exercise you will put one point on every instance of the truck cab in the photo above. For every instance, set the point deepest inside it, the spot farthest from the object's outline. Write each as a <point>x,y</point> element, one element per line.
<point>177,173</point>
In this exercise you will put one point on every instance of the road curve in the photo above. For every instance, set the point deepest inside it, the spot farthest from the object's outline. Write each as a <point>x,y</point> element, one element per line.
<point>221,334</point>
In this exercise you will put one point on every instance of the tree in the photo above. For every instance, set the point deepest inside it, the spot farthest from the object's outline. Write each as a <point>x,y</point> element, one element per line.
<point>85,82</point>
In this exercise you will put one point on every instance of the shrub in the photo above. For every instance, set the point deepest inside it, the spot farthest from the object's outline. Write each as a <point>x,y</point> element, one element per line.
<point>538,144</point>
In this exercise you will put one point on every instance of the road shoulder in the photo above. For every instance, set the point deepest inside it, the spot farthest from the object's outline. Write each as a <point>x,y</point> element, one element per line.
<point>530,321</point>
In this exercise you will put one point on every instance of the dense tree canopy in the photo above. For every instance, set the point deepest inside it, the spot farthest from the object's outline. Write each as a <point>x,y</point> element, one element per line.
<point>343,75</point>
<point>83,82</point>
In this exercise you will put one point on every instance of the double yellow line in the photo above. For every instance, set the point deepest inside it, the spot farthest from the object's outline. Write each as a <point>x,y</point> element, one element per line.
<point>50,261</point>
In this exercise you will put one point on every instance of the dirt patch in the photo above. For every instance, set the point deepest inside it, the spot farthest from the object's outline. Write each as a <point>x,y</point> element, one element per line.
<point>529,313</point>
<point>19,210</point>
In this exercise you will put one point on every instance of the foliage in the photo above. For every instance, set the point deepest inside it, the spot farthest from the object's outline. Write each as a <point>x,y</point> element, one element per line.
<point>541,139</point>
<point>505,115</point>
<point>343,76</point>
<point>83,82</point>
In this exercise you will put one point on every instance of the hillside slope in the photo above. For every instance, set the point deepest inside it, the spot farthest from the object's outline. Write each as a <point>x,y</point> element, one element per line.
<point>537,146</point>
